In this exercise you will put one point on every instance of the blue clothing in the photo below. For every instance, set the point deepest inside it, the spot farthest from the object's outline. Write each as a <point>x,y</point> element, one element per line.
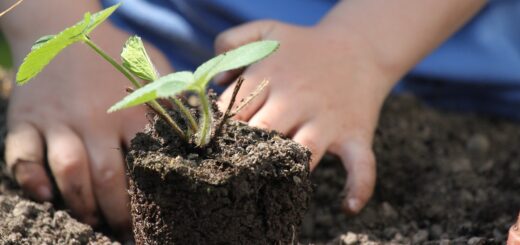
<point>477,69</point>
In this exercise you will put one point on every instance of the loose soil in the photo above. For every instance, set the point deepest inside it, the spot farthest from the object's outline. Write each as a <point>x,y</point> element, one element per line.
<point>443,178</point>
<point>248,186</point>
<point>26,222</point>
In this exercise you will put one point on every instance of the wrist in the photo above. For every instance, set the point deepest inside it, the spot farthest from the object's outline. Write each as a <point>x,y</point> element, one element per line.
<point>398,34</point>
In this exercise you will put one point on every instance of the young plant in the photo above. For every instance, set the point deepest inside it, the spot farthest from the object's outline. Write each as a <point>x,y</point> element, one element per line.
<point>136,63</point>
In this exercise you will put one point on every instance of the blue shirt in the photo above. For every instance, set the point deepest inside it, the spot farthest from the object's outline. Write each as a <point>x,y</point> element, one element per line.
<point>477,69</point>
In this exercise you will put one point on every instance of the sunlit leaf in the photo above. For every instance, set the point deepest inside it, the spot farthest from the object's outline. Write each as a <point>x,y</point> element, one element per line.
<point>44,52</point>
<point>237,58</point>
<point>48,47</point>
<point>41,41</point>
<point>169,85</point>
<point>100,17</point>
<point>136,59</point>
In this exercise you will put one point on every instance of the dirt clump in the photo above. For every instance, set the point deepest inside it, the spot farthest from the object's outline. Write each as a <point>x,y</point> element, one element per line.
<point>248,186</point>
<point>27,222</point>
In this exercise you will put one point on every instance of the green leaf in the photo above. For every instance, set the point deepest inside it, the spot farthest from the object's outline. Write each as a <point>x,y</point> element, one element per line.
<point>167,86</point>
<point>100,17</point>
<point>136,59</point>
<point>41,41</point>
<point>48,47</point>
<point>44,52</point>
<point>239,57</point>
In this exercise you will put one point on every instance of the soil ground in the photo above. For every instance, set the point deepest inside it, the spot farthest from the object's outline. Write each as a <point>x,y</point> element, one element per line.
<point>443,178</point>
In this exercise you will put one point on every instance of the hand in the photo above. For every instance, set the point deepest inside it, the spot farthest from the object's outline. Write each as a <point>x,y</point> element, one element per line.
<point>62,115</point>
<point>328,81</point>
<point>325,93</point>
<point>60,119</point>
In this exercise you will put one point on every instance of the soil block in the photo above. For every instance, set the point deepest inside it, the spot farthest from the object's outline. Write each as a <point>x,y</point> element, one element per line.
<point>248,186</point>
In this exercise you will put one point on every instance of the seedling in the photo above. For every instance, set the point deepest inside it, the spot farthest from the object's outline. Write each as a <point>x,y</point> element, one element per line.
<point>136,64</point>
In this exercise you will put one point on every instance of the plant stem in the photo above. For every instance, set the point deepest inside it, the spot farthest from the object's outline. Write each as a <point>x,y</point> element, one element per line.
<point>166,117</point>
<point>11,8</point>
<point>187,114</point>
<point>252,95</point>
<point>154,105</point>
<point>161,112</point>
<point>205,127</point>
<point>158,108</point>
<point>190,121</point>
<point>113,62</point>
<point>227,114</point>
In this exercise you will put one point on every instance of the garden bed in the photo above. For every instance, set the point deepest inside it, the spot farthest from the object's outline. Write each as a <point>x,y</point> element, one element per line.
<point>441,177</point>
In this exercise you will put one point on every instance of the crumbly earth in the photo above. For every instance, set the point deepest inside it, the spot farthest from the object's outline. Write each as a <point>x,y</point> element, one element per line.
<point>443,178</point>
<point>248,186</point>
<point>26,222</point>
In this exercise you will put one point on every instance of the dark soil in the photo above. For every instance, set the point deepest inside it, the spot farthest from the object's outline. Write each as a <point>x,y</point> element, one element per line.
<point>248,186</point>
<point>26,222</point>
<point>443,178</point>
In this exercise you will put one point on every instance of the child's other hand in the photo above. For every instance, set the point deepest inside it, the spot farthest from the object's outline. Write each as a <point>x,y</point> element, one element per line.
<point>60,118</point>
<point>325,93</point>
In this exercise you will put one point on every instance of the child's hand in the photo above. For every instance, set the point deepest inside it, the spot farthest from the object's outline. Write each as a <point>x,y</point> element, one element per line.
<point>328,82</point>
<point>60,118</point>
<point>325,93</point>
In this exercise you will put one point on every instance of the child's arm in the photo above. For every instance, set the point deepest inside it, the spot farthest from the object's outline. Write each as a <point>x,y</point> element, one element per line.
<point>62,115</point>
<point>328,82</point>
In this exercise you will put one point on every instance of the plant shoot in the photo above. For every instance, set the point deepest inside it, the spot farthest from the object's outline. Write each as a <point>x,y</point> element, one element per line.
<point>148,85</point>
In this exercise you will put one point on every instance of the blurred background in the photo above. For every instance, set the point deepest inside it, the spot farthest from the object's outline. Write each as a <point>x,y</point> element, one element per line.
<point>5,54</point>
<point>6,66</point>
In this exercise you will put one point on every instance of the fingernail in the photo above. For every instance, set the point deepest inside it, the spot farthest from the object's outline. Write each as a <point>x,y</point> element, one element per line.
<point>354,204</point>
<point>44,193</point>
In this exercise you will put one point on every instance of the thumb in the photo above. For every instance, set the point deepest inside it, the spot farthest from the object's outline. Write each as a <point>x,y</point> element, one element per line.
<point>236,37</point>
<point>243,34</point>
<point>359,162</point>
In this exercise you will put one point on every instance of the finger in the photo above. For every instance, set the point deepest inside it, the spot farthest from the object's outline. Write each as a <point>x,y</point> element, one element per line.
<point>24,159</point>
<point>246,33</point>
<point>227,77</point>
<point>68,162</point>
<point>109,180</point>
<point>130,128</point>
<point>248,86</point>
<point>359,161</point>
<point>275,114</point>
<point>310,136</point>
